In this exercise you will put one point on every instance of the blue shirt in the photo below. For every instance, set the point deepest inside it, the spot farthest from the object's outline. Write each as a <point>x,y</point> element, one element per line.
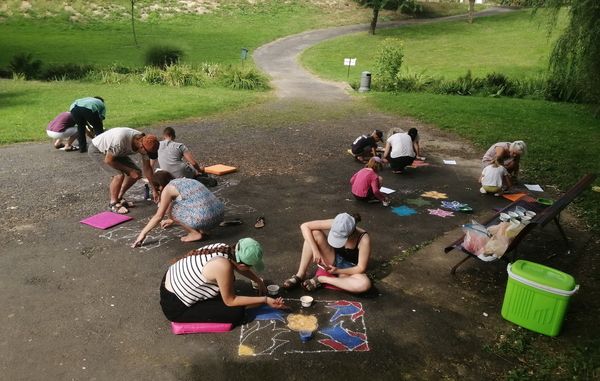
<point>93,104</point>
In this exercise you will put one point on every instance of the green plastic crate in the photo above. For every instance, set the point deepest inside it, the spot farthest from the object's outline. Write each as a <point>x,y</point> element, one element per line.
<point>537,296</point>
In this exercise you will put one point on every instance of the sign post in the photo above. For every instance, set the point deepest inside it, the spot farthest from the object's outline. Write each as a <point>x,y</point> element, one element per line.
<point>244,55</point>
<point>349,62</point>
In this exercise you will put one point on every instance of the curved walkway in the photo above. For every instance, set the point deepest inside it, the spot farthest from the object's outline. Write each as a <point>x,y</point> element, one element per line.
<point>279,58</point>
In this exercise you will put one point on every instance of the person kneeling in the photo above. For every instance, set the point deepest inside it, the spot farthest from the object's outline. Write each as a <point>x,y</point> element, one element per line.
<point>198,288</point>
<point>338,247</point>
<point>366,183</point>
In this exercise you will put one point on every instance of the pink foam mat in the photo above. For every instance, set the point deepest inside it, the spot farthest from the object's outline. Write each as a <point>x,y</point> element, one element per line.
<point>321,272</point>
<point>186,328</point>
<point>105,220</point>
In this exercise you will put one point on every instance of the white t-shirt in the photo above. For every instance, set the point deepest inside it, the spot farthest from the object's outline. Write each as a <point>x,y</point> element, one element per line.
<point>402,145</point>
<point>492,176</point>
<point>117,141</point>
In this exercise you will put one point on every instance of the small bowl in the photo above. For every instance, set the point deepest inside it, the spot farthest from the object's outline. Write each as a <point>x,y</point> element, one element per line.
<point>306,301</point>
<point>530,214</point>
<point>525,220</point>
<point>504,217</point>
<point>273,289</point>
<point>513,215</point>
<point>545,201</point>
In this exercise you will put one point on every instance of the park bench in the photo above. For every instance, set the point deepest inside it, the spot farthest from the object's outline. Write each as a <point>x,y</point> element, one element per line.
<point>544,215</point>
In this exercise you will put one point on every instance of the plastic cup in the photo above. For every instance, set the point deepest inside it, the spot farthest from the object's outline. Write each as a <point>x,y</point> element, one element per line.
<point>305,336</point>
<point>530,213</point>
<point>273,289</point>
<point>504,217</point>
<point>306,301</point>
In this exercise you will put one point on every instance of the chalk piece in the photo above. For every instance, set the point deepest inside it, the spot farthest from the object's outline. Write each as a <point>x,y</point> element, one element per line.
<point>185,328</point>
<point>450,162</point>
<point>534,187</point>
<point>219,169</point>
<point>386,190</point>
<point>513,196</point>
<point>105,220</point>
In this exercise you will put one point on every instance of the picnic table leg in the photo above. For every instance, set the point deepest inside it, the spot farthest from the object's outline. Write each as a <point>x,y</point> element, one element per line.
<point>456,266</point>
<point>562,233</point>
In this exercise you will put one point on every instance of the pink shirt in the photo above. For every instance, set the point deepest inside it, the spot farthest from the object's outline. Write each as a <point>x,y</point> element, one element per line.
<point>364,180</point>
<point>61,122</point>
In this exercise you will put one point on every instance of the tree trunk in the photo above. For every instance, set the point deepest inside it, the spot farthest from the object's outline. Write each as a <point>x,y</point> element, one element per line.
<point>471,10</point>
<point>374,20</point>
<point>133,23</point>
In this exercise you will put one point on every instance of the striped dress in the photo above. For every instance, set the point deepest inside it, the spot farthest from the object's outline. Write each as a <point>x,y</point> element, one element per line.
<point>187,281</point>
<point>196,206</point>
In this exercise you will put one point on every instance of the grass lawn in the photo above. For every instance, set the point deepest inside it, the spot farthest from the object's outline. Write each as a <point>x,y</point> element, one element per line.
<point>513,44</point>
<point>562,138</point>
<point>214,37</point>
<point>28,106</point>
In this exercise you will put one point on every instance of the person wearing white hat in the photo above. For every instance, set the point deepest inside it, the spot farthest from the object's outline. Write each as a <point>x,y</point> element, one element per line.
<point>340,248</point>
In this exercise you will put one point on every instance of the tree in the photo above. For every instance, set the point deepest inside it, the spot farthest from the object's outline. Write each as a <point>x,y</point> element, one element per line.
<point>133,21</point>
<point>575,58</point>
<point>471,10</point>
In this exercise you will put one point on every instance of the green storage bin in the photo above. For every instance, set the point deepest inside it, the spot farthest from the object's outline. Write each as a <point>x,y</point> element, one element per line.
<point>537,296</point>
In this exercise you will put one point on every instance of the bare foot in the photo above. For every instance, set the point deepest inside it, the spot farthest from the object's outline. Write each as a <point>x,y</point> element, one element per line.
<point>197,236</point>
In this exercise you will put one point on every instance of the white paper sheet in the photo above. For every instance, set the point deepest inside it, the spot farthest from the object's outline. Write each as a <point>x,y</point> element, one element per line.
<point>534,187</point>
<point>450,162</point>
<point>386,190</point>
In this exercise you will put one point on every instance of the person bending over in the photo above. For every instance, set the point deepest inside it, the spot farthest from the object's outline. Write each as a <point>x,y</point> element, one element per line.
<point>112,151</point>
<point>365,145</point>
<point>63,128</point>
<point>186,202</point>
<point>508,154</point>
<point>338,247</point>
<point>493,177</point>
<point>198,288</point>
<point>367,182</point>
<point>401,149</point>
<point>92,111</point>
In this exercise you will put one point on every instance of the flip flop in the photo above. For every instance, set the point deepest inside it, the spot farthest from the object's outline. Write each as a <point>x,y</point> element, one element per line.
<point>233,222</point>
<point>71,149</point>
<point>260,222</point>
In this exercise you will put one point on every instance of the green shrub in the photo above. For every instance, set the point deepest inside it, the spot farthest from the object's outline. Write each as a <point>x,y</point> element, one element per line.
<point>237,78</point>
<point>68,71</point>
<point>211,70</point>
<point>153,75</point>
<point>26,65</point>
<point>182,75</point>
<point>412,81</point>
<point>410,7</point>
<point>163,55</point>
<point>388,63</point>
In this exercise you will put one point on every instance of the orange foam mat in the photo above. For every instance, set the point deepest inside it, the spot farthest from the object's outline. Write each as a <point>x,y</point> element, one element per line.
<point>219,169</point>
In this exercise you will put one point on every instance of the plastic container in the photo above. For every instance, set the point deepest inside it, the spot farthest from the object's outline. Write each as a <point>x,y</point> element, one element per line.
<point>537,297</point>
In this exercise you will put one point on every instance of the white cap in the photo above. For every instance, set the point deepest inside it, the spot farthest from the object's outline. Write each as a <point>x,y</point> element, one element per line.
<point>343,225</point>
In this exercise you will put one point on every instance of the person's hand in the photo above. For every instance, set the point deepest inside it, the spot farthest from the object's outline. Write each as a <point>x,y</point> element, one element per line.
<point>276,303</point>
<point>384,160</point>
<point>331,269</point>
<point>166,223</point>
<point>317,258</point>
<point>155,195</point>
<point>139,241</point>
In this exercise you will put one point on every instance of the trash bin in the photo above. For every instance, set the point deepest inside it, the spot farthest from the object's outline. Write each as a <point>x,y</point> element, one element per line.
<point>365,82</point>
<point>537,297</point>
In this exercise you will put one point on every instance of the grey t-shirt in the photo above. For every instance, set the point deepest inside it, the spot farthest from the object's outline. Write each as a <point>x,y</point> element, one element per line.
<point>117,141</point>
<point>170,159</point>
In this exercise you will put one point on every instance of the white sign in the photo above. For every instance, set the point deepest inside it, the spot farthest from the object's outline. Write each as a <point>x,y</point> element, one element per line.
<point>349,61</point>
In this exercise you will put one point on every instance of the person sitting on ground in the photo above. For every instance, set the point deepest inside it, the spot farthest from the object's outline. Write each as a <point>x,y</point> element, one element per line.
<point>508,154</point>
<point>493,177</point>
<point>366,183</point>
<point>365,146</point>
<point>176,158</point>
<point>187,203</point>
<point>92,111</point>
<point>401,149</point>
<point>338,247</point>
<point>189,291</point>
<point>63,128</point>
<point>111,150</point>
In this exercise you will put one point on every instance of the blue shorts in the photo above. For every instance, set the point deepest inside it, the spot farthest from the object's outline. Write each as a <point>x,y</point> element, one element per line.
<point>342,263</point>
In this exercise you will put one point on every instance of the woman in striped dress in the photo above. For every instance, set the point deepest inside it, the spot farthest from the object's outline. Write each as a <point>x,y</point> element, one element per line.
<point>186,202</point>
<point>199,287</point>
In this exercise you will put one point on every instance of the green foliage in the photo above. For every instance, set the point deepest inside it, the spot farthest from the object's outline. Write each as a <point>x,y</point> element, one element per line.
<point>388,63</point>
<point>68,71</point>
<point>163,55</point>
<point>410,7</point>
<point>152,75</point>
<point>25,65</point>
<point>182,75</point>
<point>237,78</point>
<point>575,59</point>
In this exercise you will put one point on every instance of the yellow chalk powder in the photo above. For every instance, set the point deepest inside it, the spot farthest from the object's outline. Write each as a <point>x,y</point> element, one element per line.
<point>245,350</point>
<point>297,322</point>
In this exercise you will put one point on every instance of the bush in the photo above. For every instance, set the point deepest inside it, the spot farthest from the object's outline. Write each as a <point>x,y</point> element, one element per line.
<point>182,75</point>
<point>410,7</point>
<point>153,75</point>
<point>67,71</point>
<point>498,84</point>
<point>388,63</point>
<point>244,79</point>
<point>411,82</point>
<point>211,70</point>
<point>163,55</point>
<point>25,65</point>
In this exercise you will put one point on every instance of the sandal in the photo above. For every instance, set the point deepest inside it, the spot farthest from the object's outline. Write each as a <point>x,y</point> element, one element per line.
<point>260,222</point>
<point>311,284</point>
<point>115,207</point>
<point>292,282</point>
<point>71,149</point>
<point>125,203</point>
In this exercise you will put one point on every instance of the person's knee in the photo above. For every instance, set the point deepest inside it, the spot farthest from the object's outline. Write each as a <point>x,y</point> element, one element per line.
<point>135,175</point>
<point>363,283</point>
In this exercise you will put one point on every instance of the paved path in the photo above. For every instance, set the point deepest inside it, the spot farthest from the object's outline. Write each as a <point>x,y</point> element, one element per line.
<point>279,58</point>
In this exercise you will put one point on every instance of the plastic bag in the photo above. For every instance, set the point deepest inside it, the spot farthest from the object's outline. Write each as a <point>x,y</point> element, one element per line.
<point>476,237</point>
<point>499,242</point>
